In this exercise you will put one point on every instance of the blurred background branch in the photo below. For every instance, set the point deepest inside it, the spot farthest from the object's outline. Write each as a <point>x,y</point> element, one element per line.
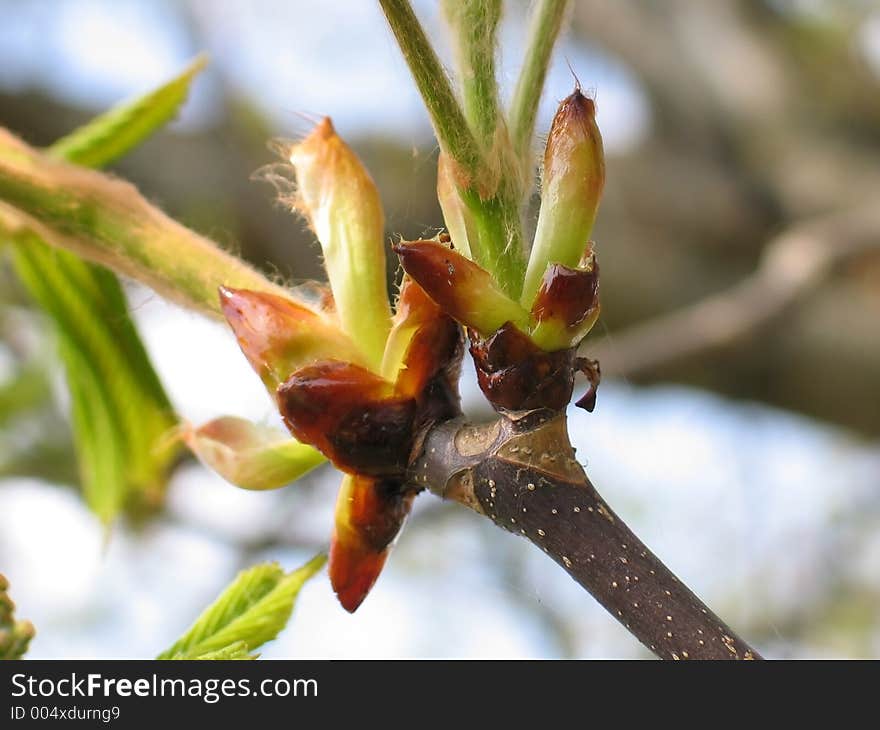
<point>793,266</point>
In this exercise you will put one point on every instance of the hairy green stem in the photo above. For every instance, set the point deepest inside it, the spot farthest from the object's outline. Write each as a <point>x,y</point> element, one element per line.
<point>446,115</point>
<point>544,29</point>
<point>499,240</point>
<point>109,222</point>
<point>474,24</point>
<point>489,185</point>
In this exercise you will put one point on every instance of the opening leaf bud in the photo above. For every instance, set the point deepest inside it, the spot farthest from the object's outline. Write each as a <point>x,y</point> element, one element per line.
<point>339,199</point>
<point>424,341</point>
<point>249,455</point>
<point>465,291</point>
<point>572,183</point>
<point>279,335</point>
<point>369,514</point>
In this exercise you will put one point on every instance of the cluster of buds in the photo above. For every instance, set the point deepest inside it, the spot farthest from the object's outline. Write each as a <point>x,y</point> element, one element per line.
<point>351,380</point>
<point>525,349</point>
<point>361,386</point>
<point>14,635</point>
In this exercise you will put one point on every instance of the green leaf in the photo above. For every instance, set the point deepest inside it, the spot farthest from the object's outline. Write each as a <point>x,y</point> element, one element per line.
<point>250,612</point>
<point>109,136</point>
<point>234,652</point>
<point>26,391</point>
<point>107,221</point>
<point>119,410</point>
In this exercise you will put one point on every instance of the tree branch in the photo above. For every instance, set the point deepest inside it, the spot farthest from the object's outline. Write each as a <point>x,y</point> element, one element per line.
<point>520,472</point>
<point>792,266</point>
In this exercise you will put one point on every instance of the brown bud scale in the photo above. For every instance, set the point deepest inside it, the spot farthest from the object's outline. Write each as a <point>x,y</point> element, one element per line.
<point>515,374</point>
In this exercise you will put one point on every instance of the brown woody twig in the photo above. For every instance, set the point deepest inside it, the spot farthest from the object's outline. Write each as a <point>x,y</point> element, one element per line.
<point>520,472</point>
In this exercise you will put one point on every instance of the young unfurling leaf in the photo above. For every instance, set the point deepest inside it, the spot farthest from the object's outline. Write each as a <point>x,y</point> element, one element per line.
<point>248,455</point>
<point>119,410</point>
<point>251,611</point>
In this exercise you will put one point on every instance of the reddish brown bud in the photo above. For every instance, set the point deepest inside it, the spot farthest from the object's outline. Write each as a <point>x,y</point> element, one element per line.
<point>566,307</point>
<point>279,335</point>
<point>464,290</point>
<point>369,514</point>
<point>515,374</point>
<point>430,339</point>
<point>351,415</point>
<point>590,368</point>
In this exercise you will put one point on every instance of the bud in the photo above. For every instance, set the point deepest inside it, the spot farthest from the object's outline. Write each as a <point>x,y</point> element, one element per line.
<point>459,220</point>
<point>279,335</point>
<point>465,291</point>
<point>351,415</point>
<point>7,607</point>
<point>370,426</point>
<point>248,455</point>
<point>369,514</point>
<point>424,343</point>
<point>567,304</point>
<point>14,640</point>
<point>14,635</point>
<point>517,375</point>
<point>341,203</point>
<point>572,182</point>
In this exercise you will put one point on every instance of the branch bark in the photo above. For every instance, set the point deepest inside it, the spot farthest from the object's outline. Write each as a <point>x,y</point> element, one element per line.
<point>520,472</point>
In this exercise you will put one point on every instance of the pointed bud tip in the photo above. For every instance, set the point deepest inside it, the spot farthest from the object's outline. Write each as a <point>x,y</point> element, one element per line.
<point>578,103</point>
<point>324,127</point>
<point>353,573</point>
<point>224,293</point>
<point>573,179</point>
<point>233,301</point>
<point>320,134</point>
